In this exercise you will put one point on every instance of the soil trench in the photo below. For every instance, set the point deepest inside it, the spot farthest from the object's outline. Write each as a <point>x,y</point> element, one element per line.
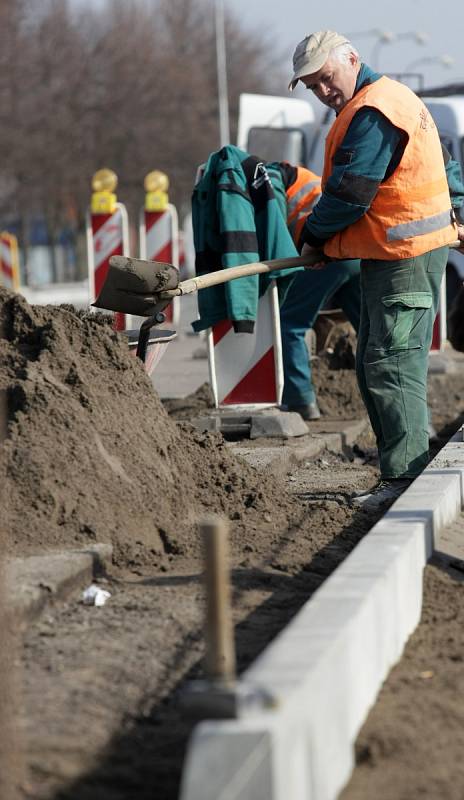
<point>91,454</point>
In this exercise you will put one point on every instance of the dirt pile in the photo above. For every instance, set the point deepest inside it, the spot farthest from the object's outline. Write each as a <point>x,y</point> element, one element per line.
<point>336,386</point>
<point>194,405</point>
<point>334,377</point>
<point>91,455</point>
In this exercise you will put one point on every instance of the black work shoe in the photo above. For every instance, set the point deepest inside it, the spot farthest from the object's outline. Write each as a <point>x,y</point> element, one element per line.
<point>307,411</point>
<point>386,491</point>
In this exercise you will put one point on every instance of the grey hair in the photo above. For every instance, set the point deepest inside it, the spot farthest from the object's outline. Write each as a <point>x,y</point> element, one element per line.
<point>342,52</point>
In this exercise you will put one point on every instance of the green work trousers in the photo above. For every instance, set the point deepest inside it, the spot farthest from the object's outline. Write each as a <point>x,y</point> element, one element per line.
<point>399,301</point>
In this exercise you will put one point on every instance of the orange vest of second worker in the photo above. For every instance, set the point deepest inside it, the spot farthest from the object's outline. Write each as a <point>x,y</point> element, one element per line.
<point>301,195</point>
<point>411,212</point>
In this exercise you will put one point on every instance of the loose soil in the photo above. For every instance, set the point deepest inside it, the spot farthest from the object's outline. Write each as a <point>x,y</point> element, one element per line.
<point>90,454</point>
<point>104,685</point>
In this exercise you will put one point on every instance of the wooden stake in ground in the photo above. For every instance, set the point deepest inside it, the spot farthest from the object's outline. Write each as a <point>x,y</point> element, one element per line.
<point>220,650</point>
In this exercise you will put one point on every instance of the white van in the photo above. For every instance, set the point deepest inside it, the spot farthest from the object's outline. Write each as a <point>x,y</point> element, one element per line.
<point>276,128</point>
<point>448,113</point>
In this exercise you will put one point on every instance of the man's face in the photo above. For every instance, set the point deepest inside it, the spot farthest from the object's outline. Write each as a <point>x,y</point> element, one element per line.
<point>334,83</point>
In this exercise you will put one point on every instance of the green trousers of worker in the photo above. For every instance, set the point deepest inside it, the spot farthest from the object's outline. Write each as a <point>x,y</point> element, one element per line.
<point>399,301</point>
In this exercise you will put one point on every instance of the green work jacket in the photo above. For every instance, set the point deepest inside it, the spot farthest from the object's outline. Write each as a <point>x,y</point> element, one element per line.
<point>237,219</point>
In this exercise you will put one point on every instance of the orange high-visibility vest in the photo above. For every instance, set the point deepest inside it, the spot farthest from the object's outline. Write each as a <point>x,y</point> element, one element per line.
<point>302,195</point>
<point>411,212</point>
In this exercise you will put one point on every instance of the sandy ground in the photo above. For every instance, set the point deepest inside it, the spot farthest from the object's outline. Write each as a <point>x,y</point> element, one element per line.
<point>91,672</point>
<point>91,455</point>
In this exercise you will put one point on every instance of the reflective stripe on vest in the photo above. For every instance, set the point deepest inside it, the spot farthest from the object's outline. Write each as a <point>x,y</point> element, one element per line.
<point>411,211</point>
<point>418,227</point>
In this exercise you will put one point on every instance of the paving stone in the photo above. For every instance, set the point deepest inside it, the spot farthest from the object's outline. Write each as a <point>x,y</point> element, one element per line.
<point>36,581</point>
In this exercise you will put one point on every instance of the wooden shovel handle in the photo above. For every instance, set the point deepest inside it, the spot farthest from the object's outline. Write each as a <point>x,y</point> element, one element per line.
<point>242,271</point>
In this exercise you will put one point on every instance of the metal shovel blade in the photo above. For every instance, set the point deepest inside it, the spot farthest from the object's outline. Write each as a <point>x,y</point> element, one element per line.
<point>132,286</point>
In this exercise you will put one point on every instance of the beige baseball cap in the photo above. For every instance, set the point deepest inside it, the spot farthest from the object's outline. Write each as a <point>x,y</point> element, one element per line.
<point>312,53</point>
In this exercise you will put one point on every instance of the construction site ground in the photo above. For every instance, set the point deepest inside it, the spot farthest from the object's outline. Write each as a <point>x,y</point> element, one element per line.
<point>91,456</point>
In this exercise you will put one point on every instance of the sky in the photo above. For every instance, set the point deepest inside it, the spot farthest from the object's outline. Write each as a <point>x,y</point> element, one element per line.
<point>441,22</point>
<point>288,21</point>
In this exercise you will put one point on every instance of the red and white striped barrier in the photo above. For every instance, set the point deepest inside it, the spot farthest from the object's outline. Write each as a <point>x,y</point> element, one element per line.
<point>9,261</point>
<point>159,241</point>
<point>107,235</point>
<point>246,369</point>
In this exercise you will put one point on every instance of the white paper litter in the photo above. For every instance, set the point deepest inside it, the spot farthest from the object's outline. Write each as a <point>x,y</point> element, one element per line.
<point>95,596</point>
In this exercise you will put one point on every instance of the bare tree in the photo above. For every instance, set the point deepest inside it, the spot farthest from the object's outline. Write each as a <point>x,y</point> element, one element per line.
<point>131,86</point>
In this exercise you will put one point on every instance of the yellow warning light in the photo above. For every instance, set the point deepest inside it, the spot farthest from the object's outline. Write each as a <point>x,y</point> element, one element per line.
<point>104,180</point>
<point>104,183</point>
<point>156,181</point>
<point>156,185</point>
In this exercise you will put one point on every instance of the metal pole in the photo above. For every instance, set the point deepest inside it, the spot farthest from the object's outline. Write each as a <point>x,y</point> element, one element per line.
<point>224,132</point>
<point>375,54</point>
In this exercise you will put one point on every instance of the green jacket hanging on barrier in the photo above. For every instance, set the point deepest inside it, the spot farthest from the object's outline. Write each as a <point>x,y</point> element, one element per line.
<point>237,219</point>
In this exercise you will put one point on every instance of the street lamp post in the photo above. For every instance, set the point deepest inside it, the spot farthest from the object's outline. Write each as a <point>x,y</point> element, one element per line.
<point>223,100</point>
<point>373,32</point>
<point>383,37</point>
<point>410,71</point>
<point>445,60</point>
<point>419,37</point>
<point>391,38</point>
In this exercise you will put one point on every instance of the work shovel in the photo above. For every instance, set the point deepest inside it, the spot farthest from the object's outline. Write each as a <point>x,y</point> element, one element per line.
<point>146,288</point>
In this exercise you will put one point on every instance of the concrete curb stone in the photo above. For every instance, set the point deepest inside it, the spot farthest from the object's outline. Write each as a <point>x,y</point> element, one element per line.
<point>36,581</point>
<point>334,435</point>
<point>323,672</point>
